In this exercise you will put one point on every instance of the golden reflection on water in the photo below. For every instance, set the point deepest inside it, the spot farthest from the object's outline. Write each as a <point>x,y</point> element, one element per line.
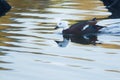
<point>1,68</point>
<point>77,58</point>
<point>111,46</point>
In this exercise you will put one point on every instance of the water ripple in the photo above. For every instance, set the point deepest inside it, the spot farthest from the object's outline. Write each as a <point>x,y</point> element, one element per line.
<point>28,48</point>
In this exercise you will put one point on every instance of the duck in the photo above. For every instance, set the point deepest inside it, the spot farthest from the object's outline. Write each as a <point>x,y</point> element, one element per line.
<point>80,28</point>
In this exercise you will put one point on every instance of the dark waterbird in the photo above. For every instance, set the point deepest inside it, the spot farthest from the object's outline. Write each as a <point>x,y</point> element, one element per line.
<point>79,28</point>
<point>4,7</point>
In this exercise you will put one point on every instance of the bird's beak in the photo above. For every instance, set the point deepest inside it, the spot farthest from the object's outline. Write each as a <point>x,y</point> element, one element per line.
<point>57,41</point>
<point>56,27</point>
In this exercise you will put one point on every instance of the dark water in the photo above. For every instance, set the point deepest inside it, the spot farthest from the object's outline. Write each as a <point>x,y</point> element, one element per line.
<point>28,49</point>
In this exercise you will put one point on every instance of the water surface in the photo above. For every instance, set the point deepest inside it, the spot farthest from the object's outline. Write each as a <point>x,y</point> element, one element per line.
<point>28,49</point>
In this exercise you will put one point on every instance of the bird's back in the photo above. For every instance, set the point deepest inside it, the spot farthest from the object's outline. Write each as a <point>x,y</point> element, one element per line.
<point>82,28</point>
<point>75,28</point>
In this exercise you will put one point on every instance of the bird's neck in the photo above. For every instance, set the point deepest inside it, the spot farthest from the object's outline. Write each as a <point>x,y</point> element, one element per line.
<point>64,28</point>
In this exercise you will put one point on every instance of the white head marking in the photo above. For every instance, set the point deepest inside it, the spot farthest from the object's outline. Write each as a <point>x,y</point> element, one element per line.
<point>62,24</point>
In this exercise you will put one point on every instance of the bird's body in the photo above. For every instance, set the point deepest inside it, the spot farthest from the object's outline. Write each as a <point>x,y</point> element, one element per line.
<point>81,28</point>
<point>74,29</point>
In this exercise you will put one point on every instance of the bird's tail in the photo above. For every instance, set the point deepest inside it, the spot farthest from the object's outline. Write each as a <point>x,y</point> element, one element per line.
<point>94,19</point>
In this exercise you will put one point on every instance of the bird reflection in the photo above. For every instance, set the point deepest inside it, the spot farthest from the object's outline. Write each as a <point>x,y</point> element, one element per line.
<point>86,40</point>
<point>65,41</point>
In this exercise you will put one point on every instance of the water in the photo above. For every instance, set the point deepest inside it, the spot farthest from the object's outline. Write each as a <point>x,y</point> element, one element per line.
<point>28,49</point>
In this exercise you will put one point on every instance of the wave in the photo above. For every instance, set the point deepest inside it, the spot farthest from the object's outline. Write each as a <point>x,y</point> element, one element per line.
<point>113,29</point>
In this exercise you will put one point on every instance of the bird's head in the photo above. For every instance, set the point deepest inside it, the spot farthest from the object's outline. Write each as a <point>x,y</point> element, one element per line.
<point>62,24</point>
